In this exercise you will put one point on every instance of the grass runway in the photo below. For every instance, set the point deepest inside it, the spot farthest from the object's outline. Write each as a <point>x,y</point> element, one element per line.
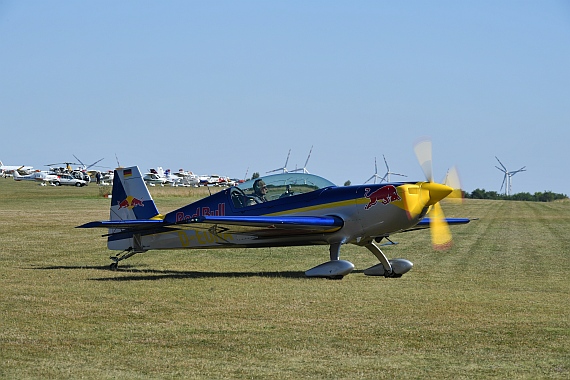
<point>496,305</point>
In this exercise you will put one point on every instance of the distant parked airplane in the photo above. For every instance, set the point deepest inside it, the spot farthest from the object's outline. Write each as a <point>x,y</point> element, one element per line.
<point>38,176</point>
<point>7,170</point>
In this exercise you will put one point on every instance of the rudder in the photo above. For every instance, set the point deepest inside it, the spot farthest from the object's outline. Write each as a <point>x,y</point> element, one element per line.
<point>130,200</point>
<point>130,197</point>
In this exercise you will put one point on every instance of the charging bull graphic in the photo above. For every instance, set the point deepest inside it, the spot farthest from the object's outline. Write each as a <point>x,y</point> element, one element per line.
<point>130,202</point>
<point>384,195</point>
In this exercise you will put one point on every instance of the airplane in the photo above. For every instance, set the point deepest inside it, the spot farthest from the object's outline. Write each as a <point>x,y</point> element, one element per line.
<point>187,178</point>
<point>301,209</point>
<point>173,179</point>
<point>203,180</point>
<point>213,180</point>
<point>38,176</point>
<point>6,170</point>
<point>216,180</point>
<point>157,177</point>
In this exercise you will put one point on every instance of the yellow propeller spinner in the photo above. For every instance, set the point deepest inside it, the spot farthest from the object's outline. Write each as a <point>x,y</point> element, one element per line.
<point>431,193</point>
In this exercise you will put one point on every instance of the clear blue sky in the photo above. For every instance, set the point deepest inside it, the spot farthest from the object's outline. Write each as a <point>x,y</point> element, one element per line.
<point>228,86</point>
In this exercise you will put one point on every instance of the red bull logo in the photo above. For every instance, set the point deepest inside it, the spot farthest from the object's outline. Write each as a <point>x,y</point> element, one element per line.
<point>384,195</point>
<point>202,211</point>
<point>130,202</point>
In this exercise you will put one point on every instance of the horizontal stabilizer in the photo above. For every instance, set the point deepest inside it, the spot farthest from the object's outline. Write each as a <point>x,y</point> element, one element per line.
<point>450,221</point>
<point>425,223</point>
<point>256,225</point>
<point>123,224</point>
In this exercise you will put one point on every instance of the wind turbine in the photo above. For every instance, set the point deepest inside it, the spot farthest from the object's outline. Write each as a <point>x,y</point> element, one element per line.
<point>386,176</point>
<point>375,175</point>
<point>304,168</point>
<point>388,172</point>
<point>284,168</point>
<point>507,177</point>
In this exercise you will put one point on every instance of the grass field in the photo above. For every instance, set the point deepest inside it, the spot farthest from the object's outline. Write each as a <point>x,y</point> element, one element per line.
<point>496,305</point>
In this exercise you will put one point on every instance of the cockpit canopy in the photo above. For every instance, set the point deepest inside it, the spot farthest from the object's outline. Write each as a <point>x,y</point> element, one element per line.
<point>287,184</point>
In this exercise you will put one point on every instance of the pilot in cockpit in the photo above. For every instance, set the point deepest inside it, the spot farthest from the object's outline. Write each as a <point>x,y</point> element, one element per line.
<point>259,191</point>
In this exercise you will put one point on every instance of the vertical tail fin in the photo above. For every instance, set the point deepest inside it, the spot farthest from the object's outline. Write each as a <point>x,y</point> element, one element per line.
<point>131,198</point>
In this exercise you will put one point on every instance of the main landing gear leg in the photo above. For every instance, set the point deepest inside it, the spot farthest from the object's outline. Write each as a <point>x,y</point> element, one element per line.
<point>136,248</point>
<point>386,268</point>
<point>334,269</point>
<point>121,256</point>
<point>334,251</point>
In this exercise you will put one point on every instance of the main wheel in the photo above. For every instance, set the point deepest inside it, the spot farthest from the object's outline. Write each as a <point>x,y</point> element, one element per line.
<point>113,266</point>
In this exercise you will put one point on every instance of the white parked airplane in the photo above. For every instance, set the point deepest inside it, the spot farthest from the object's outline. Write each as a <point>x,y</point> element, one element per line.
<point>187,178</point>
<point>157,177</point>
<point>42,177</point>
<point>9,169</point>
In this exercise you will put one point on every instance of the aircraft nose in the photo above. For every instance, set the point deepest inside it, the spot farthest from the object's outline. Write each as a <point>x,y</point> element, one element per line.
<point>437,192</point>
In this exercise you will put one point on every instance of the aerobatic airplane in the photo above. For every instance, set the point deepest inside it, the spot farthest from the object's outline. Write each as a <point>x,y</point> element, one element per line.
<point>287,209</point>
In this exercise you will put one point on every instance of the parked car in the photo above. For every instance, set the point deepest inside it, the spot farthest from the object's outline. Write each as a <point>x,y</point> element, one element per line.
<point>69,180</point>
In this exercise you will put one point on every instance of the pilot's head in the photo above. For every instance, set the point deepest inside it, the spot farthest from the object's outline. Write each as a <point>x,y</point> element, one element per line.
<point>259,187</point>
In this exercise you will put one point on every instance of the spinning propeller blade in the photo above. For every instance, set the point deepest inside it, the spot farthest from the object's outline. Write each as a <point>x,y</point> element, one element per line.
<point>452,180</point>
<point>423,153</point>
<point>440,233</point>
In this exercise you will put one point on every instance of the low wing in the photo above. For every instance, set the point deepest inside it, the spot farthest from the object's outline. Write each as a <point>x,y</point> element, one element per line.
<point>425,222</point>
<point>310,223</point>
<point>255,225</point>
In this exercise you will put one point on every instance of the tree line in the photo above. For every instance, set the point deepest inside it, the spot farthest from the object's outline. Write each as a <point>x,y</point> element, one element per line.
<point>546,196</point>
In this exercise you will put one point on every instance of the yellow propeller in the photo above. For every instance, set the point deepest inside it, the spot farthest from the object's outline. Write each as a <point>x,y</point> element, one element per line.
<point>452,180</point>
<point>440,233</point>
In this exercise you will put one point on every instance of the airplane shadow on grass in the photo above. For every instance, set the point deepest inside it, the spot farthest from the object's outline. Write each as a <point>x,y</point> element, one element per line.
<point>132,274</point>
